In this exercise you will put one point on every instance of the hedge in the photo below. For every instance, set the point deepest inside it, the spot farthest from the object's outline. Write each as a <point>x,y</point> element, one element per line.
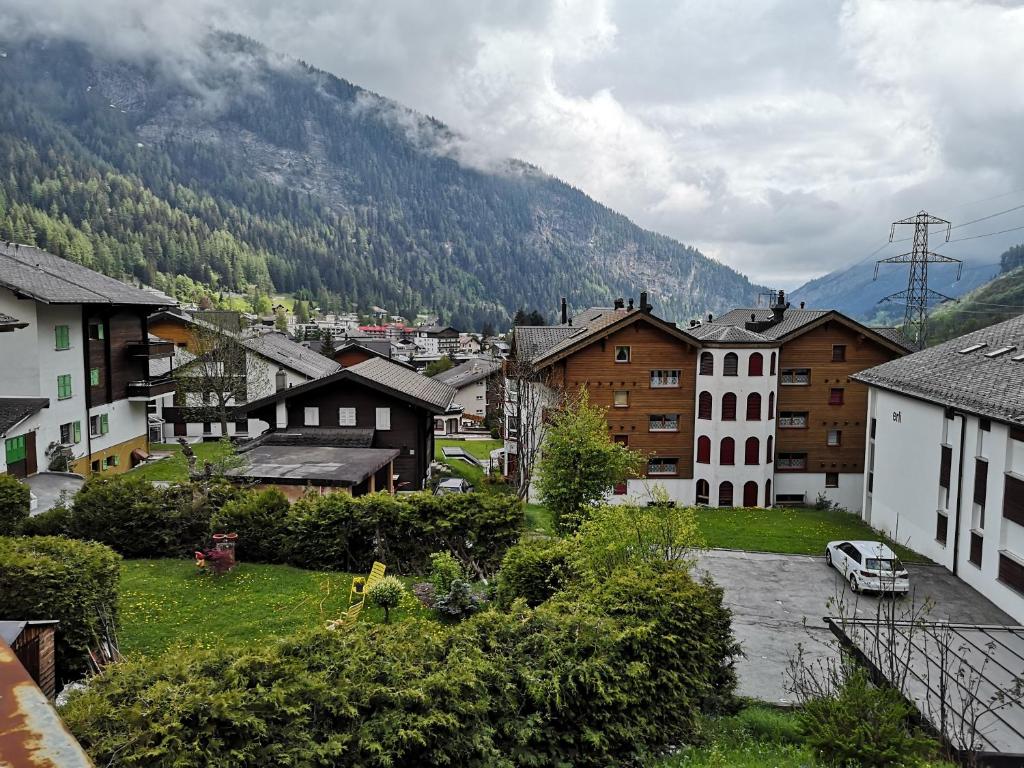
<point>74,582</point>
<point>534,570</point>
<point>578,681</point>
<point>15,503</point>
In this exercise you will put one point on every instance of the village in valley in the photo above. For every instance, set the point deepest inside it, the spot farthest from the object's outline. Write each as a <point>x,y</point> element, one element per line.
<point>326,444</point>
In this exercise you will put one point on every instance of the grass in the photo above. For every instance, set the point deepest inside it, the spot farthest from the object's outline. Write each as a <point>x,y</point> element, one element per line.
<point>168,604</point>
<point>481,449</point>
<point>174,469</point>
<point>538,518</point>
<point>792,530</point>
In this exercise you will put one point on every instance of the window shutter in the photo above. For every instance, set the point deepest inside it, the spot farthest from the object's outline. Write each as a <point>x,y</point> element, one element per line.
<point>753,407</point>
<point>1013,500</point>
<point>751,452</point>
<point>725,494</point>
<point>383,419</point>
<point>755,366</point>
<point>946,462</point>
<point>980,481</point>
<point>104,424</point>
<point>1011,573</point>
<point>728,407</point>
<point>703,449</point>
<point>77,431</point>
<point>707,364</point>
<point>704,405</point>
<point>727,452</point>
<point>731,364</point>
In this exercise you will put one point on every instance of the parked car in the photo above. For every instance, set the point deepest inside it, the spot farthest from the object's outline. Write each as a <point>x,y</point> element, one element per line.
<point>453,485</point>
<point>869,566</point>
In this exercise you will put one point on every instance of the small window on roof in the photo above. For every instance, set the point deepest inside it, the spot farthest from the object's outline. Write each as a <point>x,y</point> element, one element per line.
<point>972,348</point>
<point>1017,358</point>
<point>1000,351</point>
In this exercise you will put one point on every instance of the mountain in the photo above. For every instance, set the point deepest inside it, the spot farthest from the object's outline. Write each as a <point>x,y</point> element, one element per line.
<point>855,292</point>
<point>240,168</point>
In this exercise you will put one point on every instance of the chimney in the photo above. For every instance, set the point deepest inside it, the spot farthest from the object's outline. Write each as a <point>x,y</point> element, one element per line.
<point>630,305</point>
<point>281,379</point>
<point>801,305</point>
<point>710,318</point>
<point>619,303</point>
<point>644,306</point>
<point>565,311</point>
<point>779,308</point>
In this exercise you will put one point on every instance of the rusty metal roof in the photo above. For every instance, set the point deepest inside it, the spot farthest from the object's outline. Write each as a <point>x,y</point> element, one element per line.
<point>32,735</point>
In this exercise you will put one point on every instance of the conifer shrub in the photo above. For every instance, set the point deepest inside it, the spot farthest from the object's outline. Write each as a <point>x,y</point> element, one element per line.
<point>534,569</point>
<point>75,582</point>
<point>261,521</point>
<point>15,502</point>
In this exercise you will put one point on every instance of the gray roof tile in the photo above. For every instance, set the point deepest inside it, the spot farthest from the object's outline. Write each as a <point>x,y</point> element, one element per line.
<point>283,351</point>
<point>53,280</point>
<point>401,379</point>
<point>14,410</point>
<point>469,372</point>
<point>988,386</point>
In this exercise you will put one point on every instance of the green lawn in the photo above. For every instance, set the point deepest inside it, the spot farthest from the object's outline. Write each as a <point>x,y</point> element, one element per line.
<point>174,469</point>
<point>793,530</point>
<point>481,449</point>
<point>169,604</point>
<point>538,518</point>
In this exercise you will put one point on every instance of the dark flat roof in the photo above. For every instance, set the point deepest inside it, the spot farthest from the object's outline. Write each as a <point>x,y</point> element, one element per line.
<point>317,464</point>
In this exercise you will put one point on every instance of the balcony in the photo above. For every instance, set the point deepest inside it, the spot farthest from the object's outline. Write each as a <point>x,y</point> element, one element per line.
<point>151,388</point>
<point>150,349</point>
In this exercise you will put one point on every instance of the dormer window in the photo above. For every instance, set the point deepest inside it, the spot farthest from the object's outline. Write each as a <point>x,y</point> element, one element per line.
<point>1000,351</point>
<point>972,348</point>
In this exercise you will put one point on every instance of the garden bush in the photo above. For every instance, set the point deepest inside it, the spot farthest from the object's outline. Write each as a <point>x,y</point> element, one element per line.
<point>53,522</point>
<point>445,570</point>
<point>261,522</point>
<point>15,501</point>
<point>862,725</point>
<point>388,594</point>
<point>534,569</point>
<point>74,582</point>
<point>137,519</point>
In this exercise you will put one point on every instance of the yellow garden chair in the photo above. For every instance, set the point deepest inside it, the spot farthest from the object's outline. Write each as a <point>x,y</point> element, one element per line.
<point>349,619</point>
<point>361,586</point>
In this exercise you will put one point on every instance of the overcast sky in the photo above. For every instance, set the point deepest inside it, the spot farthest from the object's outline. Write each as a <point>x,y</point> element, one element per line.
<point>781,137</point>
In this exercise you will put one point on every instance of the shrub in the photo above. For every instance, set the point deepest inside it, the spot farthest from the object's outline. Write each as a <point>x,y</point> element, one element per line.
<point>261,522</point>
<point>444,571</point>
<point>387,594</point>
<point>74,582</point>
<point>137,519</point>
<point>534,569</point>
<point>15,501</point>
<point>862,725</point>
<point>460,601</point>
<point>53,522</point>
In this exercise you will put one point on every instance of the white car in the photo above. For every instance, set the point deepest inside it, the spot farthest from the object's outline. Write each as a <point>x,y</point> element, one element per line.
<point>868,566</point>
<point>452,485</point>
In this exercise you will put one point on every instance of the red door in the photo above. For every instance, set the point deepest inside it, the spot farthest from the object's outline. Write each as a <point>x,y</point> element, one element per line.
<point>30,454</point>
<point>750,494</point>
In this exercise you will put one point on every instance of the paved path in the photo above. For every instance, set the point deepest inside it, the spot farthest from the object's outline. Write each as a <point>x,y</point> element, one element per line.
<point>47,487</point>
<point>779,600</point>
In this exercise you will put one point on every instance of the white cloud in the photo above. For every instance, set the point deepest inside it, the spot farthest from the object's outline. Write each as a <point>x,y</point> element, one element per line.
<point>778,135</point>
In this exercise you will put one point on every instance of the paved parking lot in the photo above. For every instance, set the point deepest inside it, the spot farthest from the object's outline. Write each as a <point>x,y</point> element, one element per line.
<point>771,596</point>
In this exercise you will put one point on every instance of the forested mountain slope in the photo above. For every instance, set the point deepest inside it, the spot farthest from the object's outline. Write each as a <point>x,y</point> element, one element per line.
<point>251,169</point>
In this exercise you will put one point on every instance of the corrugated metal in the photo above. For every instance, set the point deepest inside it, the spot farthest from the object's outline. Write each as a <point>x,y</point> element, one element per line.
<point>32,734</point>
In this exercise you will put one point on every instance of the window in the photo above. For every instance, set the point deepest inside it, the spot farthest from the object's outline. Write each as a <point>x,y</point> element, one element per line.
<point>941,528</point>
<point>792,420</point>
<point>769,451</point>
<point>96,466</point>
<point>985,425</point>
<point>704,404</point>
<point>95,330</point>
<point>728,407</point>
<point>703,492</point>
<point>771,406</point>
<point>703,449</point>
<point>838,353</point>
<point>945,461</point>
<point>795,376</point>
<point>111,461</point>
<point>346,417</point>
<point>77,432</point>
<point>15,449</point>
<point>767,493</point>
<point>792,462</point>
<point>753,407</point>
<point>665,378</point>
<point>65,433</point>
<point>622,354</point>
<point>621,398</point>
<point>621,439</point>
<point>707,364</point>
<point>311,416</point>
<point>755,365</point>
<point>1013,500</point>
<point>94,377</point>
<point>980,485</point>
<point>750,494</point>
<point>727,452</point>
<point>241,426</point>
<point>725,494</point>
<point>976,545</point>
<point>771,369</point>
<point>663,422</point>
<point>62,337</point>
<point>831,479</point>
<point>1011,572</point>
<point>731,365</point>
<point>835,396</point>
<point>64,386</point>
<point>835,437</point>
<point>99,425</point>
<point>752,452</point>
<point>383,419</point>
<point>659,466</point>
<point>874,424</point>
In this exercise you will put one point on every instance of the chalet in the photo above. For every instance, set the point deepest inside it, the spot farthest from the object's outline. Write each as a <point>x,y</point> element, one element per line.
<point>945,457</point>
<point>77,396</point>
<point>477,382</point>
<point>272,361</point>
<point>364,428</point>
<point>753,409</point>
<point>437,340</point>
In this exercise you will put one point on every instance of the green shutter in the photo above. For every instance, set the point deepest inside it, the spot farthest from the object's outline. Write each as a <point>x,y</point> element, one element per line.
<point>62,336</point>
<point>64,386</point>
<point>77,429</point>
<point>117,460</point>
<point>101,331</point>
<point>104,424</point>
<point>94,377</point>
<point>15,449</point>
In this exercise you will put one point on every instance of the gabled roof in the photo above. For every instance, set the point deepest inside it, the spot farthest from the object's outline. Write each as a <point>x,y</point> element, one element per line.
<point>31,272</point>
<point>14,410</point>
<point>435,329</point>
<point>727,334</point>
<point>384,375</point>
<point>533,340</point>
<point>278,348</point>
<point>469,372</point>
<point>600,322</point>
<point>988,380</point>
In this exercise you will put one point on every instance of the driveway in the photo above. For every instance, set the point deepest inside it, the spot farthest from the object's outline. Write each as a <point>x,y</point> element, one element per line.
<point>771,596</point>
<point>47,486</point>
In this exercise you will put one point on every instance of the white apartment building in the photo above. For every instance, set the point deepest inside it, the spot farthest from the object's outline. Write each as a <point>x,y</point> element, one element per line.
<point>945,457</point>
